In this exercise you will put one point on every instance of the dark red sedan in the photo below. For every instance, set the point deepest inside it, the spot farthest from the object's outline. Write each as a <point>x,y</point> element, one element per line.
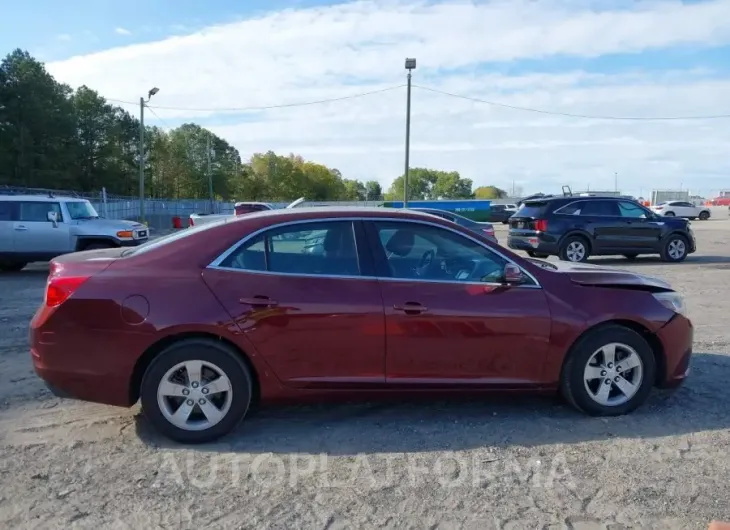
<point>313,302</point>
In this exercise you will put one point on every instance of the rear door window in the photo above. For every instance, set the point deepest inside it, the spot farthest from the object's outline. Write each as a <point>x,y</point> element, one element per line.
<point>601,209</point>
<point>31,212</point>
<point>309,249</point>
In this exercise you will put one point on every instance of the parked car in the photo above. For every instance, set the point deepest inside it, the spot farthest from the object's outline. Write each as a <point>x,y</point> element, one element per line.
<point>485,229</point>
<point>575,228</point>
<point>682,209</point>
<point>500,213</point>
<point>395,301</point>
<point>40,227</point>
<point>239,208</point>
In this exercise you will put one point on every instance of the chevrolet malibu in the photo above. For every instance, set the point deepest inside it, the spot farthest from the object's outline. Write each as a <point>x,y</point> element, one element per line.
<point>203,324</point>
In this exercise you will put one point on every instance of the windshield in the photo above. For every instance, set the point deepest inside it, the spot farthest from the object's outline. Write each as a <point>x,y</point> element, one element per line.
<point>81,210</point>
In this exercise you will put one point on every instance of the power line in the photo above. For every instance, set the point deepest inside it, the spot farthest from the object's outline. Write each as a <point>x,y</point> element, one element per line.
<point>267,107</point>
<point>164,123</point>
<point>570,115</point>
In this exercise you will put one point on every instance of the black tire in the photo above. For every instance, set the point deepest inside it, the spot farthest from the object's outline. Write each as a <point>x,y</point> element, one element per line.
<point>704,216</point>
<point>207,351</point>
<point>98,246</point>
<point>537,255</point>
<point>570,243</point>
<point>669,214</point>
<point>673,242</point>
<point>12,266</point>
<point>573,386</point>
<point>630,257</point>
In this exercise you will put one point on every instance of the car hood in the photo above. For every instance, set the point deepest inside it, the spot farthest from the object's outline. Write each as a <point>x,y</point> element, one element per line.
<point>106,226</point>
<point>596,275</point>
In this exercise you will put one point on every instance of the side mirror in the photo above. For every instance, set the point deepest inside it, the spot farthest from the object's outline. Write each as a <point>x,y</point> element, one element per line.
<point>53,218</point>
<point>513,274</point>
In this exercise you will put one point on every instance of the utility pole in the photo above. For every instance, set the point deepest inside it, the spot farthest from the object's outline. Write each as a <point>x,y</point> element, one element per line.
<point>141,160</point>
<point>142,103</point>
<point>615,182</point>
<point>210,177</point>
<point>410,66</point>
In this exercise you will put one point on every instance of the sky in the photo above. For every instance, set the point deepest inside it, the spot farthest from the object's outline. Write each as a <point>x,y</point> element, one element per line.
<point>608,58</point>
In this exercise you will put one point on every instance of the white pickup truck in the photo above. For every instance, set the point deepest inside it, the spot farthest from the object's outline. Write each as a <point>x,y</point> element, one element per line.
<point>240,208</point>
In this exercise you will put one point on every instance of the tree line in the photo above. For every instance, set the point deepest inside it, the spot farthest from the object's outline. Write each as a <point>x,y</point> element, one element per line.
<point>52,136</point>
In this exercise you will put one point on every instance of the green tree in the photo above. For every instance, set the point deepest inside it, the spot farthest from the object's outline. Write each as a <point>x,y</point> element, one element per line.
<point>489,192</point>
<point>53,137</point>
<point>424,184</point>
<point>373,191</point>
<point>37,129</point>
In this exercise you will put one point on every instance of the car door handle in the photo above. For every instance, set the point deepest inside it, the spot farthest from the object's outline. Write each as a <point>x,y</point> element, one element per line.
<point>259,301</point>
<point>21,227</point>
<point>411,308</point>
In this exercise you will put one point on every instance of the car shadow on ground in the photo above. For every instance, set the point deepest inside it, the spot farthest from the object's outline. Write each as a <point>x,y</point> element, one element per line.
<point>457,424</point>
<point>656,260</point>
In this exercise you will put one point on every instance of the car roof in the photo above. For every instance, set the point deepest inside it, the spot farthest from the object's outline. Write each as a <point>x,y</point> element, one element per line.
<point>39,198</point>
<point>575,198</point>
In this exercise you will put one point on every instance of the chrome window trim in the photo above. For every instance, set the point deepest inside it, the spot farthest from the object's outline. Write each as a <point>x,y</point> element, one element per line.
<point>216,263</point>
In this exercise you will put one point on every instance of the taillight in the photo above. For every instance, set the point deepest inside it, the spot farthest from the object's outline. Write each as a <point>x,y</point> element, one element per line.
<point>488,231</point>
<point>541,225</point>
<point>60,288</point>
<point>191,222</point>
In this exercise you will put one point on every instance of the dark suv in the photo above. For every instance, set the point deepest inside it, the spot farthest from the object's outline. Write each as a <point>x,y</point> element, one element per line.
<point>575,228</point>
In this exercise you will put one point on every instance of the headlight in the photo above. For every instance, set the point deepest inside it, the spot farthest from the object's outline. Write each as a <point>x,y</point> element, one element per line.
<point>672,300</point>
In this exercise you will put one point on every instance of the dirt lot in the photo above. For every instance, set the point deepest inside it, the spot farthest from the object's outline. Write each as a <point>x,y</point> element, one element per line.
<point>495,463</point>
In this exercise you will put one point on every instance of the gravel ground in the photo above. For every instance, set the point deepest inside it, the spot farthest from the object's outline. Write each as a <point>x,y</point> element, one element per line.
<point>502,462</point>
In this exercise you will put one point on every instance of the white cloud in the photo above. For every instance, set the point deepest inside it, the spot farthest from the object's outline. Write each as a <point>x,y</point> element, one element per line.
<point>122,31</point>
<point>65,37</point>
<point>312,54</point>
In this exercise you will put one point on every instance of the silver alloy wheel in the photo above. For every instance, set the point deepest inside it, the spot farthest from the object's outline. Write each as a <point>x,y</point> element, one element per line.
<point>194,395</point>
<point>676,249</point>
<point>576,251</point>
<point>613,374</point>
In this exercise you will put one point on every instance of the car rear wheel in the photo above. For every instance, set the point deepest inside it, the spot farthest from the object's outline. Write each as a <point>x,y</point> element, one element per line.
<point>674,249</point>
<point>609,372</point>
<point>668,214</point>
<point>12,266</point>
<point>704,216</point>
<point>575,249</point>
<point>196,391</point>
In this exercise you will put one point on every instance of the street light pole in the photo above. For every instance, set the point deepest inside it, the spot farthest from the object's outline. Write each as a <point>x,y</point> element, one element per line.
<point>410,66</point>
<point>142,103</point>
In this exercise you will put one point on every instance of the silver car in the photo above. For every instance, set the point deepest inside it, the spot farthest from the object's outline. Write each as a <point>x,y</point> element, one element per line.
<point>39,228</point>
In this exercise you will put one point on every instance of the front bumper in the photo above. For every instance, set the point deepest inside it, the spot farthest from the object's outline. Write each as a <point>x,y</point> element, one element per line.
<point>676,338</point>
<point>132,242</point>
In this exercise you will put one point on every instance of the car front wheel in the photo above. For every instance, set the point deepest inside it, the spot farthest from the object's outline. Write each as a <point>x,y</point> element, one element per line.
<point>196,391</point>
<point>674,249</point>
<point>704,216</point>
<point>609,372</point>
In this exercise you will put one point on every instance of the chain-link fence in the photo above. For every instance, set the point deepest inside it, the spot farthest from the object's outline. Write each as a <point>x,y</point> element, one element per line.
<point>160,213</point>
